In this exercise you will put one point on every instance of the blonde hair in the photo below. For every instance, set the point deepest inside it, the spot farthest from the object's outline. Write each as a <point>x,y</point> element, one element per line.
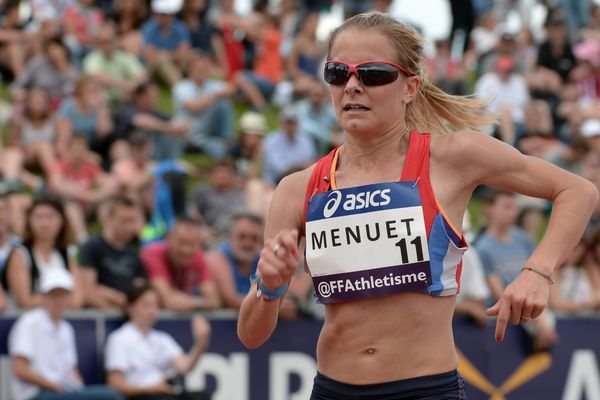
<point>432,110</point>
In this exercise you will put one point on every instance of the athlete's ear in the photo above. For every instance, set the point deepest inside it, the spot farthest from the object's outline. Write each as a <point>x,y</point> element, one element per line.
<point>413,83</point>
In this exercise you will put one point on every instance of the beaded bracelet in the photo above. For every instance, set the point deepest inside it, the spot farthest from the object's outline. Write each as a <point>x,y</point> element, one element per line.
<point>545,275</point>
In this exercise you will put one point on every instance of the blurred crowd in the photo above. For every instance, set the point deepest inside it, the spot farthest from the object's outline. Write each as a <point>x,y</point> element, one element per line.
<point>143,140</point>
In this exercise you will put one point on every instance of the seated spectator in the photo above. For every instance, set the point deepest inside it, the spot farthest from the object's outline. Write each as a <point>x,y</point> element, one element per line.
<point>81,183</point>
<point>110,267</point>
<point>133,168</point>
<point>247,152</point>
<point>80,19</point>
<point>205,103</point>
<point>510,95</point>
<point>258,85</point>
<point>129,15</point>
<point>235,261</point>
<point>504,249</point>
<point>35,133</point>
<point>86,113</point>
<point>230,25</point>
<point>447,73</point>
<point>577,280</point>
<point>204,36</point>
<point>42,348</point>
<point>316,117</point>
<point>214,202</point>
<point>51,71</point>
<point>12,42</point>
<point>178,271</point>
<point>166,134</point>
<point>44,250</point>
<point>166,42</point>
<point>8,240</point>
<point>134,366</point>
<point>117,72</point>
<point>306,57</point>
<point>287,148</point>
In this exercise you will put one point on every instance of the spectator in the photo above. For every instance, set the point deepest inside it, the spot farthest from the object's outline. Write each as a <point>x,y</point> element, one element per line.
<point>110,267</point>
<point>117,72</point>
<point>52,71</point>
<point>43,352</point>
<point>12,36</point>
<point>80,20</point>
<point>448,73</point>
<point>504,249</point>
<point>86,113</point>
<point>44,250</point>
<point>555,54</point>
<point>577,281</point>
<point>204,36</point>
<point>178,271</point>
<point>235,261</point>
<point>215,202</point>
<point>287,148</point>
<point>166,42</point>
<point>165,133</point>
<point>317,117</point>
<point>81,183</point>
<point>129,15</point>
<point>510,96</point>
<point>136,369</point>
<point>205,103</point>
<point>247,152</point>
<point>258,85</point>
<point>306,57</point>
<point>231,27</point>
<point>34,135</point>
<point>133,169</point>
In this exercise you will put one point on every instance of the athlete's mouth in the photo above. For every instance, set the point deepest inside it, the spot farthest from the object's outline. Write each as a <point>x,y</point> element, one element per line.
<point>355,107</point>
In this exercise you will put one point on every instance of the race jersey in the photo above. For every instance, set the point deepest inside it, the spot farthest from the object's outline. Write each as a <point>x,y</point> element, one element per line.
<point>380,239</point>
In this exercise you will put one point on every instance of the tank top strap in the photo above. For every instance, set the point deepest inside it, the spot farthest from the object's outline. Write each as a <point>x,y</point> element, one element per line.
<point>320,178</point>
<point>416,164</point>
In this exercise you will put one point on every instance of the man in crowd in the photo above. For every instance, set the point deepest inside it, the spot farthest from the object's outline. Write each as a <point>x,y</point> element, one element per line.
<point>43,352</point>
<point>205,103</point>
<point>109,265</point>
<point>178,271</point>
<point>235,261</point>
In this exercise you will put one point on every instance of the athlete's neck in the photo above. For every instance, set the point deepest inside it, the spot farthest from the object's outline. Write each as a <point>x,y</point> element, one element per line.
<point>364,152</point>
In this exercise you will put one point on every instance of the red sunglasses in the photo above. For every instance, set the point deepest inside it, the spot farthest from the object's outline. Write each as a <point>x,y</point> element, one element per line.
<point>370,73</point>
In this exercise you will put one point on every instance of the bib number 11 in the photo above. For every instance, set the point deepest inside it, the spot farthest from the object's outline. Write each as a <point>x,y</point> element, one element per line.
<point>402,244</point>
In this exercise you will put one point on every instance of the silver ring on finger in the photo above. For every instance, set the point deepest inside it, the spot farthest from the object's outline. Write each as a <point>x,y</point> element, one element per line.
<point>276,248</point>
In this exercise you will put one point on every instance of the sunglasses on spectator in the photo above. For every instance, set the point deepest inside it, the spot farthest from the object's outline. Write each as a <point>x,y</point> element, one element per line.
<point>370,73</point>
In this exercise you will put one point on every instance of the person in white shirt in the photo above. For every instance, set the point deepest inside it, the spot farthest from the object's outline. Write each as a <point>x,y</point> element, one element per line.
<point>145,364</point>
<point>42,349</point>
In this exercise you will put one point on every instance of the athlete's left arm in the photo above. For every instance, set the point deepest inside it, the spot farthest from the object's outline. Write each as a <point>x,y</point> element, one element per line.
<point>485,160</point>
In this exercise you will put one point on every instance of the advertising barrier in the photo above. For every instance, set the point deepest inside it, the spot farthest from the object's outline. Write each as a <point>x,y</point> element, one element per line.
<point>283,369</point>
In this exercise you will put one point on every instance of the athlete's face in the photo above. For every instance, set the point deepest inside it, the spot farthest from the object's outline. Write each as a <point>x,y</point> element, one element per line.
<point>380,108</point>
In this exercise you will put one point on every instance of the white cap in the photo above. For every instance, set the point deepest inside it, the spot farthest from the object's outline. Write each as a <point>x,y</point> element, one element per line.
<point>252,122</point>
<point>56,278</point>
<point>590,128</point>
<point>167,6</point>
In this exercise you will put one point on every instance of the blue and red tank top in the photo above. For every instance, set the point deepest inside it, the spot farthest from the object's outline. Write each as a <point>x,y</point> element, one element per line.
<point>380,239</point>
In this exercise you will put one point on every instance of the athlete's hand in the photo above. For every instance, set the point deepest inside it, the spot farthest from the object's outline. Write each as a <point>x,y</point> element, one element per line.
<point>524,299</point>
<point>279,259</point>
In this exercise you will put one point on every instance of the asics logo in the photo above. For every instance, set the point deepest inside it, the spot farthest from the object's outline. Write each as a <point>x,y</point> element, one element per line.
<point>356,201</point>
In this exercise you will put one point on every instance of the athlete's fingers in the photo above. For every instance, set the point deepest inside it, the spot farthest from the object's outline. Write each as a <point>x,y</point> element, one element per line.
<point>537,310</point>
<point>516,307</point>
<point>288,239</point>
<point>503,315</point>
<point>526,312</point>
<point>493,310</point>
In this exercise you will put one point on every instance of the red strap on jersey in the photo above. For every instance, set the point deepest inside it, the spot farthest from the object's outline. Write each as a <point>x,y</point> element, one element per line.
<point>317,182</point>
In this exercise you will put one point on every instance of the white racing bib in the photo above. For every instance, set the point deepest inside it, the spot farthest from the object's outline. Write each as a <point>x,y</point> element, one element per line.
<point>367,241</point>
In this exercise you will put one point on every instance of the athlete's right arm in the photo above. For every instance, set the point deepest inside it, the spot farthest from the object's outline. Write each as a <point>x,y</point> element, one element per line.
<point>258,317</point>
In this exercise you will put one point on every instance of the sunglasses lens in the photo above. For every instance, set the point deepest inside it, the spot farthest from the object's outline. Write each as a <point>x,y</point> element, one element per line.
<point>336,73</point>
<point>377,74</point>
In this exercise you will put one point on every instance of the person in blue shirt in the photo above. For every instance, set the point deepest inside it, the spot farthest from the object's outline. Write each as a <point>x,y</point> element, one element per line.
<point>235,261</point>
<point>166,41</point>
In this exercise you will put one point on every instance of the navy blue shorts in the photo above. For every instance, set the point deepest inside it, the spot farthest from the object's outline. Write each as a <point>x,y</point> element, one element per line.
<point>446,386</point>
